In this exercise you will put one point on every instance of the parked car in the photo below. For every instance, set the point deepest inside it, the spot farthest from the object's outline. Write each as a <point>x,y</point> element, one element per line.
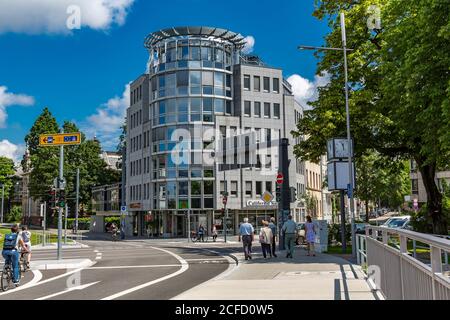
<point>301,233</point>
<point>400,222</point>
<point>360,228</point>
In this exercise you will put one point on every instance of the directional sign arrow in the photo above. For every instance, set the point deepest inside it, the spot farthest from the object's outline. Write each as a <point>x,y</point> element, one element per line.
<point>81,287</point>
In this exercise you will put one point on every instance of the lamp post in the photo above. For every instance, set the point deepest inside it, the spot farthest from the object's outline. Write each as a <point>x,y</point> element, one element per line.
<point>344,49</point>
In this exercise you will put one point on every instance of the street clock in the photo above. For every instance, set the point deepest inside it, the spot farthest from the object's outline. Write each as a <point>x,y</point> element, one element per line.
<point>337,148</point>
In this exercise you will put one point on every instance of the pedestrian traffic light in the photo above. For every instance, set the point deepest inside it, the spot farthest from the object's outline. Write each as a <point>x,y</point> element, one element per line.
<point>278,193</point>
<point>61,199</point>
<point>52,200</point>
<point>292,194</point>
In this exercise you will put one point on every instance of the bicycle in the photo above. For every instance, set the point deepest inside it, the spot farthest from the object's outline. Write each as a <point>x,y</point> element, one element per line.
<point>195,237</point>
<point>23,262</point>
<point>115,235</point>
<point>7,276</point>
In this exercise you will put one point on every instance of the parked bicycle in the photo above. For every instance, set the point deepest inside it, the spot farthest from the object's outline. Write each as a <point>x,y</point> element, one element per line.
<point>7,277</point>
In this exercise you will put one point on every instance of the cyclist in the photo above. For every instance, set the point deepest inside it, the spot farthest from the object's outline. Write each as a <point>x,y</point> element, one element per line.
<point>10,253</point>
<point>26,237</point>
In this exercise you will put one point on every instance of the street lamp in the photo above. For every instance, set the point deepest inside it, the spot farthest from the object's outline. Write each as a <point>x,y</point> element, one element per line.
<point>344,49</point>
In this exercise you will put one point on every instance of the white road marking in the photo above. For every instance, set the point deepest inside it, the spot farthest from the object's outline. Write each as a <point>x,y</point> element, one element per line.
<point>184,267</point>
<point>84,286</point>
<point>45,281</point>
<point>131,267</point>
<point>95,251</point>
<point>205,259</point>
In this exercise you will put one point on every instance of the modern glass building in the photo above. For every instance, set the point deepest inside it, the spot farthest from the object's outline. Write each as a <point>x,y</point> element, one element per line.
<point>199,87</point>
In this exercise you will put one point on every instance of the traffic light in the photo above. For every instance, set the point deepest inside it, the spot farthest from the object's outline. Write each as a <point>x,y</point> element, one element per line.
<point>61,202</point>
<point>52,201</point>
<point>292,194</point>
<point>278,193</point>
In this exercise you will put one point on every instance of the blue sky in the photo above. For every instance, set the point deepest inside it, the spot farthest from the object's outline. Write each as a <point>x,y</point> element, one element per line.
<point>81,75</point>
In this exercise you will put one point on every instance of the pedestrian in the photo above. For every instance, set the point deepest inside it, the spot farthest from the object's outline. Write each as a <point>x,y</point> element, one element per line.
<point>289,229</point>
<point>201,232</point>
<point>310,235</point>
<point>246,233</point>
<point>265,238</point>
<point>273,227</point>
<point>214,232</point>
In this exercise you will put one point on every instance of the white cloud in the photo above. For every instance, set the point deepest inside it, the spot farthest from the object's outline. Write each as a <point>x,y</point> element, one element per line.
<point>10,99</point>
<point>51,16</point>
<point>249,44</point>
<point>305,90</point>
<point>106,122</point>
<point>11,150</point>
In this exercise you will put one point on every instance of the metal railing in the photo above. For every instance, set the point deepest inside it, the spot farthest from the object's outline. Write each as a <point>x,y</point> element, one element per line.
<point>397,271</point>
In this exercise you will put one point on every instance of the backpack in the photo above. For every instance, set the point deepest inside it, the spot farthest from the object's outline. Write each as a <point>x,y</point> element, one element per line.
<point>10,241</point>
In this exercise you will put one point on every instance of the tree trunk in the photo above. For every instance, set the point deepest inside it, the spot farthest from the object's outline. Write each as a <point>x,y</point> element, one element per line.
<point>367,210</point>
<point>434,197</point>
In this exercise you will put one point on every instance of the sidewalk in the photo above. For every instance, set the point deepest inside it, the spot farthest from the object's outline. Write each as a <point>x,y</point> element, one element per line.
<point>323,277</point>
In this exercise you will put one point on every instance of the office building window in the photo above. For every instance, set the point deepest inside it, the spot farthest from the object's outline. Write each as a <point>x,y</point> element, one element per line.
<point>266,110</point>
<point>258,188</point>
<point>276,85</point>
<point>266,84</point>
<point>257,83</point>
<point>222,187</point>
<point>276,110</point>
<point>247,108</point>
<point>246,82</point>
<point>234,188</point>
<point>248,188</point>
<point>269,186</point>
<point>257,109</point>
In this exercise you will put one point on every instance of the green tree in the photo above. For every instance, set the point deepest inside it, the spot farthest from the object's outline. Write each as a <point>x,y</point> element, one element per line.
<point>43,162</point>
<point>6,170</point>
<point>15,215</point>
<point>399,78</point>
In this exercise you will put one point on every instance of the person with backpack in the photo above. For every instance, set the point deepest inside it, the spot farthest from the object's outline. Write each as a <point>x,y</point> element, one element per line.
<point>26,237</point>
<point>10,253</point>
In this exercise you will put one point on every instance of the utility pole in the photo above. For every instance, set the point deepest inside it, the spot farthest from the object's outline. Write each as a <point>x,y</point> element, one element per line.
<point>350,149</point>
<point>285,204</point>
<point>343,240</point>
<point>66,214</point>
<point>61,174</point>
<point>45,222</point>
<point>76,201</point>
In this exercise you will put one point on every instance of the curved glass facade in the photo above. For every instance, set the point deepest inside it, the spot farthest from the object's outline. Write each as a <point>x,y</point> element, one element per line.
<point>190,84</point>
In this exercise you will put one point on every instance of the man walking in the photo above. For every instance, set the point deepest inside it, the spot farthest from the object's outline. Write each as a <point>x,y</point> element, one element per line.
<point>246,232</point>
<point>273,227</point>
<point>289,228</point>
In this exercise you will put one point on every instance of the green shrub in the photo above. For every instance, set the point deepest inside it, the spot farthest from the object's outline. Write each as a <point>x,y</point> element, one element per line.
<point>83,223</point>
<point>15,215</point>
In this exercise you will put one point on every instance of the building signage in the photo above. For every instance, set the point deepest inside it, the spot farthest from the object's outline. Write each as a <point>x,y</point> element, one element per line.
<point>135,206</point>
<point>260,204</point>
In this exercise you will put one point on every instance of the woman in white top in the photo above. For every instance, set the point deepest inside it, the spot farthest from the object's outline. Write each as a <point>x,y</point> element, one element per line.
<point>265,238</point>
<point>26,237</point>
<point>310,229</point>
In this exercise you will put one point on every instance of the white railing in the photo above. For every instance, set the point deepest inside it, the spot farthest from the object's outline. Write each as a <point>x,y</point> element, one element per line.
<point>399,274</point>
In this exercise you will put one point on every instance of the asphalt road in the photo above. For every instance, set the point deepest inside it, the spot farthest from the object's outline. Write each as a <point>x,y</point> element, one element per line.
<point>124,270</point>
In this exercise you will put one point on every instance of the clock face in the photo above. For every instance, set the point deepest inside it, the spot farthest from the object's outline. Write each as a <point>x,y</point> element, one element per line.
<point>330,149</point>
<point>341,148</point>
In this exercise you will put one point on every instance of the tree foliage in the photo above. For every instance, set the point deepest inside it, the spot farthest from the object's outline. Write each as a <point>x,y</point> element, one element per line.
<point>400,87</point>
<point>6,170</point>
<point>44,163</point>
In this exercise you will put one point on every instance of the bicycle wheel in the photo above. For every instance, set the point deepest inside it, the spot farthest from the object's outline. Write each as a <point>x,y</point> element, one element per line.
<point>6,279</point>
<point>194,238</point>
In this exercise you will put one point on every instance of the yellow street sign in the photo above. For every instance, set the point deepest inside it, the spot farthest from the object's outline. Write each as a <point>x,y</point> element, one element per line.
<point>267,197</point>
<point>59,139</point>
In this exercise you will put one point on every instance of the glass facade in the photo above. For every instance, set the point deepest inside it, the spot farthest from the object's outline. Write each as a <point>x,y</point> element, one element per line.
<point>190,83</point>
